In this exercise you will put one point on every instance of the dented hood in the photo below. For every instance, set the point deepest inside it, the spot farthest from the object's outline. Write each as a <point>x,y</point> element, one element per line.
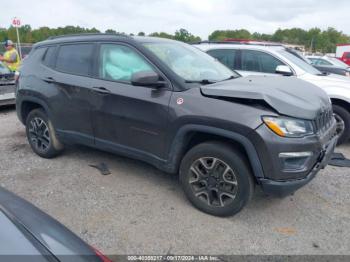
<point>287,95</point>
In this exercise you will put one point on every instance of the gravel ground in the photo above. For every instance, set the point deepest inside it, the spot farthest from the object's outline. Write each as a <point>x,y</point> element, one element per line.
<point>140,210</point>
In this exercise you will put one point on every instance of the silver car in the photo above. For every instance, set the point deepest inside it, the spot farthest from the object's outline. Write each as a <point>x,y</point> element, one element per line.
<point>7,86</point>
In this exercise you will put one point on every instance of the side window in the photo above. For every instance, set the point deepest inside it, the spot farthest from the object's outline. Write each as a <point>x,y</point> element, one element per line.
<point>48,58</point>
<point>323,62</point>
<point>250,61</point>
<point>119,62</point>
<point>347,55</point>
<point>75,59</point>
<point>225,56</point>
<point>259,62</point>
<point>314,61</point>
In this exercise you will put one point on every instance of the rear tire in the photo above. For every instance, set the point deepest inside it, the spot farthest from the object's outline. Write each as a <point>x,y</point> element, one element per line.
<point>342,117</point>
<point>216,179</point>
<point>41,135</point>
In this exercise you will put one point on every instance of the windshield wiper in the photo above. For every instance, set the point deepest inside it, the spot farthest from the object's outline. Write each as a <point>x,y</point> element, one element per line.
<point>229,78</point>
<point>202,82</point>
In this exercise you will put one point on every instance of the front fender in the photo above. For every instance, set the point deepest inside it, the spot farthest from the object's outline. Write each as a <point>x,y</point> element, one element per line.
<point>181,140</point>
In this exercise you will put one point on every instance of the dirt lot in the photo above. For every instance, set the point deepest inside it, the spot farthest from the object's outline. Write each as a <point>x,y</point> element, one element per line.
<point>140,210</point>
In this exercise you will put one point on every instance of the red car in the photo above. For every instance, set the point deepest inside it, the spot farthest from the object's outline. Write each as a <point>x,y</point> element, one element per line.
<point>345,58</point>
<point>343,53</point>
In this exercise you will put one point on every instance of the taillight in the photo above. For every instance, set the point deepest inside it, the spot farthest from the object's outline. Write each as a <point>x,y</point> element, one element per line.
<point>101,256</point>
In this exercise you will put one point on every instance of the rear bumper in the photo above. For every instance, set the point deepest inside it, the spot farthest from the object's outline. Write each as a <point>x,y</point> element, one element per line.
<point>284,188</point>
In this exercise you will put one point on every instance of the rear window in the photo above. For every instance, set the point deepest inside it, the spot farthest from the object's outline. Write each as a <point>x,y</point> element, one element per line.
<point>75,59</point>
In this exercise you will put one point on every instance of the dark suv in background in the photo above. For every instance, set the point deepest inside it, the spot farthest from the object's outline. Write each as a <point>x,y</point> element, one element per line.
<point>177,108</point>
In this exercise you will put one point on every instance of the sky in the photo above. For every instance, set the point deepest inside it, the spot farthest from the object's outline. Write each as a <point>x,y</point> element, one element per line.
<point>200,17</point>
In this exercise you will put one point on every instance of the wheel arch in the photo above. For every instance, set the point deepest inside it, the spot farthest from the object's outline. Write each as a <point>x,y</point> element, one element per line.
<point>191,135</point>
<point>27,105</point>
<point>341,102</point>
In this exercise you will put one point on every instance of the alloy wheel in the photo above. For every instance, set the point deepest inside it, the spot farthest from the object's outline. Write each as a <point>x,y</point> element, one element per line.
<point>39,134</point>
<point>213,181</point>
<point>340,125</point>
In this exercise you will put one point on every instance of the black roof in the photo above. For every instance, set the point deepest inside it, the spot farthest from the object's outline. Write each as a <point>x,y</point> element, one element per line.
<point>98,37</point>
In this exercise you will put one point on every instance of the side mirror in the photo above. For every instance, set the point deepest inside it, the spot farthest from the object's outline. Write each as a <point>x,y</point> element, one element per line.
<point>284,70</point>
<point>147,79</point>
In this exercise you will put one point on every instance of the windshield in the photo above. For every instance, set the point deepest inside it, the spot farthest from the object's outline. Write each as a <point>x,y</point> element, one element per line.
<point>190,63</point>
<point>337,62</point>
<point>300,62</point>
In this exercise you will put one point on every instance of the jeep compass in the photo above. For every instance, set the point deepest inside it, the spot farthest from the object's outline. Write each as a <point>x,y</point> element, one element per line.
<point>175,107</point>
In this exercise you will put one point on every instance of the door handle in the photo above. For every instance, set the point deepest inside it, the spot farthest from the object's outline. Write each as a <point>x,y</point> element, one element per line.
<point>49,79</point>
<point>101,90</point>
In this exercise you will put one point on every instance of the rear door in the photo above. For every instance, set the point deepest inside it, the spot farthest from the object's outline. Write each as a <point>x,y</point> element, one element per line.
<point>254,62</point>
<point>71,99</point>
<point>128,118</point>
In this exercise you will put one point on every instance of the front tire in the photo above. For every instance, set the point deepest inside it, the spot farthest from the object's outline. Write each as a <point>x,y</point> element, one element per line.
<point>216,179</point>
<point>342,116</point>
<point>41,135</point>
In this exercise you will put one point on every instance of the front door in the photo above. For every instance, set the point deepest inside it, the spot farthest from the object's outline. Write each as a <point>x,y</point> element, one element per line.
<point>255,62</point>
<point>128,118</point>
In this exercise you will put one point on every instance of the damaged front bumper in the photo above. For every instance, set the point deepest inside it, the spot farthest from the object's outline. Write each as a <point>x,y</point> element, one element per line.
<point>290,163</point>
<point>284,188</point>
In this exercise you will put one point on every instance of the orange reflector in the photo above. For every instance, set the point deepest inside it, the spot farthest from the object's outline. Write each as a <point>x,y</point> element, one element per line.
<point>274,127</point>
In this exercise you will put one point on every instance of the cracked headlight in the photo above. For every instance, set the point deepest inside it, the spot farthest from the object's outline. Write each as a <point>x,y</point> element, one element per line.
<point>289,127</point>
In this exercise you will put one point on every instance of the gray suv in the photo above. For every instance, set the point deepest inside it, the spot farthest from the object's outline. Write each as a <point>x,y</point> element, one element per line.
<point>180,110</point>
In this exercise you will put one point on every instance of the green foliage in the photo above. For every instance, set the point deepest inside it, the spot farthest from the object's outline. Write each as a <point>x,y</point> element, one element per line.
<point>180,35</point>
<point>110,31</point>
<point>314,39</point>
<point>185,36</point>
<point>220,35</point>
<point>29,35</point>
<point>162,35</point>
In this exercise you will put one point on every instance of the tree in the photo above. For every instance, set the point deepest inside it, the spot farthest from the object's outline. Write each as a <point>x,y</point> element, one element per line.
<point>220,35</point>
<point>110,31</point>
<point>162,35</point>
<point>185,36</point>
<point>313,39</point>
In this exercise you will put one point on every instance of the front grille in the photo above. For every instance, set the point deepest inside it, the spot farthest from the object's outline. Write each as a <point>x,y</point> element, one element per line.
<point>324,119</point>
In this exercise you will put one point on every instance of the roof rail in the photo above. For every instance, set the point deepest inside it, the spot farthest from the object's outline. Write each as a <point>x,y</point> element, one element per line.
<point>86,34</point>
<point>217,42</point>
<point>240,42</point>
